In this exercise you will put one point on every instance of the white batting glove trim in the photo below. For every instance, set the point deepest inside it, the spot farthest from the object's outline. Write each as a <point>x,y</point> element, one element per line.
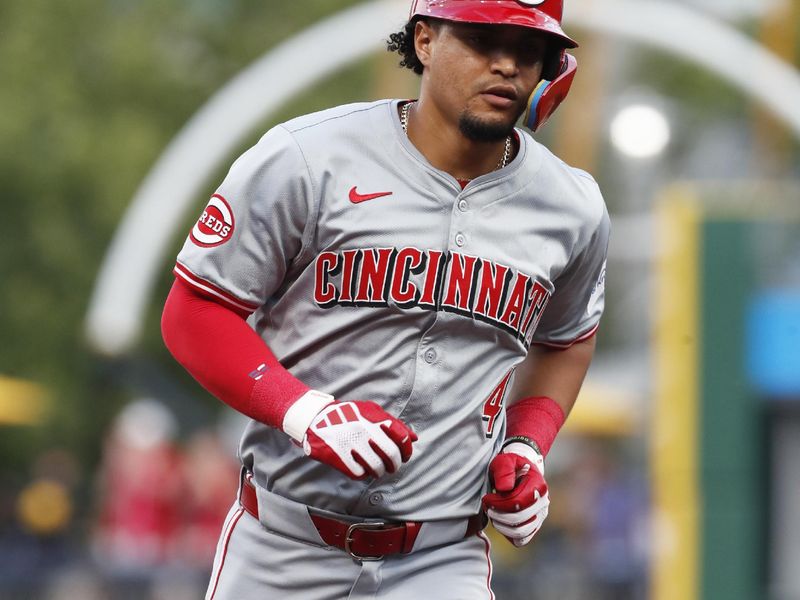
<point>520,536</point>
<point>513,525</point>
<point>522,531</point>
<point>514,519</point>
<point>519,543</point>
<point>347,437</point>
<point>304,410</point>
<point>387,446</point>
<point>526,451</point>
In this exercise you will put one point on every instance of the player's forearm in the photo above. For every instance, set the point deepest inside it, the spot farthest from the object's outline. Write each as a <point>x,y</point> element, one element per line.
<point>545,389</point>
<point>219,349</point>
<point>555,373</point>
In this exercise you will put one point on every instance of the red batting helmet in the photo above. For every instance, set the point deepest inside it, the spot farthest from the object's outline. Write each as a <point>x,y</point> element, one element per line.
<point>542,15</point>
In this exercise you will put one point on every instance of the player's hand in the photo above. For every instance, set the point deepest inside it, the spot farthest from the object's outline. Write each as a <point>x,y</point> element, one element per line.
<point>359,439</point>
<point>519,505</point>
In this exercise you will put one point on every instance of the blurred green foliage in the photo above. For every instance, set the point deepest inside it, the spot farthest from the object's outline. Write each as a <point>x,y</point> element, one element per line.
<point>91,92</point>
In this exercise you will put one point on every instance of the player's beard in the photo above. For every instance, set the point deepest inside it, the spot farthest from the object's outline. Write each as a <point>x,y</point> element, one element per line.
<point>476,129</point>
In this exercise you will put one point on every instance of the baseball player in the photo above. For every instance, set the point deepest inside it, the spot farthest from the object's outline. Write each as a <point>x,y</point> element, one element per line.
<point>402,296</point>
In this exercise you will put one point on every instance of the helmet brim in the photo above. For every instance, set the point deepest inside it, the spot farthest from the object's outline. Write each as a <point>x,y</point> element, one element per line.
<point>495,13</point>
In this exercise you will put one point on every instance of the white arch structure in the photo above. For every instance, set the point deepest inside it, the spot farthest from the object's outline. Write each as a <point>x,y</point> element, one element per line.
<point>134,260</point>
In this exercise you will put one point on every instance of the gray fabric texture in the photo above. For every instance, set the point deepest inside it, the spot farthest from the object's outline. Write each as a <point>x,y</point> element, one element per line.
<point>351,302</point>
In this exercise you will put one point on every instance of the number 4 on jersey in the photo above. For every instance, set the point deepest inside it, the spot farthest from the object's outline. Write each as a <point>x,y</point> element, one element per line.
<point>494,404</point>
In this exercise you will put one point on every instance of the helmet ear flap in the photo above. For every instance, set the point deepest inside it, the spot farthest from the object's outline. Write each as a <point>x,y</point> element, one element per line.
<point>553,63</point>
<point>547,96</point>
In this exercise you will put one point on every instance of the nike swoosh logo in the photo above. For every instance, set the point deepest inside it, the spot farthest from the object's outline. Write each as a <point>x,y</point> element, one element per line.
<point>356,198</point>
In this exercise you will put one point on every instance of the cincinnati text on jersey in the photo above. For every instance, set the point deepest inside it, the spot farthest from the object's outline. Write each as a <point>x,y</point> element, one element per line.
<point>433,280</point>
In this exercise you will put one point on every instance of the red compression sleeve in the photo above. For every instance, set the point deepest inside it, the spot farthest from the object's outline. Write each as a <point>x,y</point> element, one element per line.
<point>538,418</point>
<point>228,358</point>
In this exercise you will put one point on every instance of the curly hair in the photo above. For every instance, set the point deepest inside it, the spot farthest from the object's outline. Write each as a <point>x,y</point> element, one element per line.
<point>402,42</point>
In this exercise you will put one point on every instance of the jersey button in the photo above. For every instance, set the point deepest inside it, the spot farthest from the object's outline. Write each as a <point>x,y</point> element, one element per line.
<point>376,498</point>
<point>430,355</point>
<point>463,205</point>
<point>460,239</point>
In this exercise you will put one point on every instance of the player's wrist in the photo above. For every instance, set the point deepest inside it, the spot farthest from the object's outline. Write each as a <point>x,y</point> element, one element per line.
<point>301,413</point>
<point>522,439</point>
<point>538,419</point>
<point>526,451</point>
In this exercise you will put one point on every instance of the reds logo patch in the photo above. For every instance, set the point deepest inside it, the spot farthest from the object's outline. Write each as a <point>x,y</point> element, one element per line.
<point>215,225</point>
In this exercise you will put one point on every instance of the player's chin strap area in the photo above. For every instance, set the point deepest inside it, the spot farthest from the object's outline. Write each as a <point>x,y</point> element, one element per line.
<point>367,540</point>
<point>545,99</point>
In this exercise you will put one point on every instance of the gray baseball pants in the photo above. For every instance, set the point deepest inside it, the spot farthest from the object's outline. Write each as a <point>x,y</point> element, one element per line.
<point>281,556</point>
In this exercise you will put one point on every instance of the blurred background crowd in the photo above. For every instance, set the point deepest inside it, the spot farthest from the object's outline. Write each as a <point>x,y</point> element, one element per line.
<point>677,476</point>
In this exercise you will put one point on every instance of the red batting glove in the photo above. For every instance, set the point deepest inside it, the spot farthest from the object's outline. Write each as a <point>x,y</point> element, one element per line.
<point>520,503</point>
<point>359,439</point>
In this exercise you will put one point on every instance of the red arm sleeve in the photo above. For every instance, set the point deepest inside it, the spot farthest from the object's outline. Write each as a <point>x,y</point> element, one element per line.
<point>228,358</point>
<point>539,418</point>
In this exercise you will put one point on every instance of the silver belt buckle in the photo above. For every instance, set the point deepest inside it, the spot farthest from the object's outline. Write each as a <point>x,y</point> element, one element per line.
<point>348,539</point>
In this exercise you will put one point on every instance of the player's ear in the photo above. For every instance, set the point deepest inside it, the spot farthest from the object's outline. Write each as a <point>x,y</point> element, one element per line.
<point>424,36</point>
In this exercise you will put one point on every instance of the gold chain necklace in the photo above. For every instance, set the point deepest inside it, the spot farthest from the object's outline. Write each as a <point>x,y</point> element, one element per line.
<point>404,123</point>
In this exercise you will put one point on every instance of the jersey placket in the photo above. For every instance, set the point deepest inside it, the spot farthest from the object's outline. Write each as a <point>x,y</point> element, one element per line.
<point>431,356</point>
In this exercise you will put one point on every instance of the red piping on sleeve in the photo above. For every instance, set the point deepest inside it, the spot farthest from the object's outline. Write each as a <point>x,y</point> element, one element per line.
<point>581,338</point>
<point>206,288</point>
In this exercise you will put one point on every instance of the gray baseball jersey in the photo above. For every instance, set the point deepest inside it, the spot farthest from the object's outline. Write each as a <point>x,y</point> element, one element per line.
<point>374,276</point>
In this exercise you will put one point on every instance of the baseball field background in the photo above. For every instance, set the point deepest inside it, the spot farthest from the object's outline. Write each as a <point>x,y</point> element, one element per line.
<point>677,476</point>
